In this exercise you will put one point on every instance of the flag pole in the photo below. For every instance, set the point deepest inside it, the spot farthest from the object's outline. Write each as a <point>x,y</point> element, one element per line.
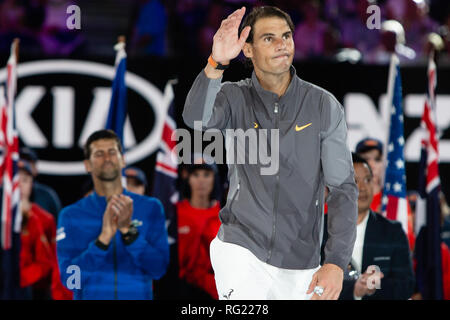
<point>390,44</point>
<point>16,44</point>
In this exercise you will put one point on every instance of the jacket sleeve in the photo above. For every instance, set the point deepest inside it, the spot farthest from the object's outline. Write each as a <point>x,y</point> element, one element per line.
<point>150,251</point>
<point>399,283</point>
<point>338,173</point>
<point>70,251</point>
<point>206,104</point>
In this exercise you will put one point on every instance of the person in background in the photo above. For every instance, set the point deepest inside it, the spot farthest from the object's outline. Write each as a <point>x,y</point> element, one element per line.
<point>309,35</point>
<point>136,180</point>
<point>150,31</point>
<point>39,244</point>
<point>198,224</point>
<point>42,194</point>
<point>445,211</point>
<point>117,238</point>
<point>380,243</point>
<point>371,150</point>
<point>36,253</point>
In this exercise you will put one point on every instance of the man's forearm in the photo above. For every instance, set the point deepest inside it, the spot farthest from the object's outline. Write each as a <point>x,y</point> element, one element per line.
<point>201,99</point>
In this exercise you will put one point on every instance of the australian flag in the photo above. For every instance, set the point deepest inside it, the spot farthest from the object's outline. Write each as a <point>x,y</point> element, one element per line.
<point>11,217</point>
<point>428,212</point>
<point>164,188</point>
<point>118,105</point>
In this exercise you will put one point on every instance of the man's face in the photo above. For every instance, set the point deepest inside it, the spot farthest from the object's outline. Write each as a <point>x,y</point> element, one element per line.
<point>201,182</point>
<point>375,160</point>
<point>363,179</point>
<point>25,184</point>
<point>272,50</point>
<point>106,161</point>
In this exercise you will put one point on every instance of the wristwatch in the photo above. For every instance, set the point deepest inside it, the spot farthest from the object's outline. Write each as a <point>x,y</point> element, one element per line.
<point>131,235</point>
<point>217,65</point>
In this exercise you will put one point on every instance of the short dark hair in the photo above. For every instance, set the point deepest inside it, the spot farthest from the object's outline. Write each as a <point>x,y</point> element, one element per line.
<point>264,12</point>
<point>356,158</point>
<point>99,135</point>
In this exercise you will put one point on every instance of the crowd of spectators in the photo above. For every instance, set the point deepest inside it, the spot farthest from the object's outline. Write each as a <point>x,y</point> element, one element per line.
<point>172,28</point>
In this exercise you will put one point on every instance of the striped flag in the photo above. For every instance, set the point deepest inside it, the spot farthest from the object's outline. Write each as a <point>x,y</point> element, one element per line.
<point>118,105</point>
<point>394,203</point>
<point>11,216</point>
<point>164,188</point>
<point>428,212</point>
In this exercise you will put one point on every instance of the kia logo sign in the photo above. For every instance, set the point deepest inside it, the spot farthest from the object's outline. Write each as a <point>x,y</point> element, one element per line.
<point>61,102</point>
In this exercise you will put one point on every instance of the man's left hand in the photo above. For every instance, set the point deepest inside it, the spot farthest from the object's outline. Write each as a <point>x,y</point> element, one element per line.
<point>123,208</point>
<point>330,277</point>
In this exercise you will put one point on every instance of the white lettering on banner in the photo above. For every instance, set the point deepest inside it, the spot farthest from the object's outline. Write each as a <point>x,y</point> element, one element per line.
<point>98,110</point>
<point>364,119</point>
<point>25,103</point>
<point>63,116</point>
<point>64,112</point>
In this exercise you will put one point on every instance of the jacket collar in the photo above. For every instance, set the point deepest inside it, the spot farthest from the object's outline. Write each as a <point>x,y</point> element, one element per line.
<point>269,97</point>
<point>101,200</point>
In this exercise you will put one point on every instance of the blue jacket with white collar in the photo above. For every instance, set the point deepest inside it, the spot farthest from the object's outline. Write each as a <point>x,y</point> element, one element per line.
<point>120,271</point>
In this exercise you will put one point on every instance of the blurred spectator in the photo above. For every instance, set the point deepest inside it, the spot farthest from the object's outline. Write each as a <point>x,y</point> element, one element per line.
<point>417,26</point>
<point>445,211</point>
<point>149,36</point>
<point>198,224</point>
<point>309,34</point>
<point>207,32</point>
<point>16,22</point>
<point>445,31</point>
<point>371,150</point>
<point>43,224</point>
<point>445,252</point>
<point>12,15</point>
<point>56,38</point>
<point>379,242</point>
<point>42,194</point>
<point>36,261</point>
<point>136,180</point>
<point>189,15</point>
<point>354,31</point>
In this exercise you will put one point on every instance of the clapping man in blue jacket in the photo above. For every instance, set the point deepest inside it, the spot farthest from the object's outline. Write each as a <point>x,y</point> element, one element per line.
<point>112,243</point>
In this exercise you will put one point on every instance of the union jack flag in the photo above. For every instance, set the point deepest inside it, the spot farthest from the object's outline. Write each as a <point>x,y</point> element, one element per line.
<point>394,203</point>
<point>428,211</point>
<point>9,142</point>
<point>11,216</point>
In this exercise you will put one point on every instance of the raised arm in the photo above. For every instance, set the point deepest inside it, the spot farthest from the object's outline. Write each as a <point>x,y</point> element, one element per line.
<point>205,102</point>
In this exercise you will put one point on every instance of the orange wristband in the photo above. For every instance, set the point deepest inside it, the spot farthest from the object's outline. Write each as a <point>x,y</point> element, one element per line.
<point>215,64</point>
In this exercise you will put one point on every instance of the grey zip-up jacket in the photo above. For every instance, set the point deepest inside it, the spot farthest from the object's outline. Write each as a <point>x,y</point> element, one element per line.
<point>278,217</point>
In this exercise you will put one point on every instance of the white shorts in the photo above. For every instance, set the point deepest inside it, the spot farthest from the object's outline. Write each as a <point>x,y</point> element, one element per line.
<point>240,275</point>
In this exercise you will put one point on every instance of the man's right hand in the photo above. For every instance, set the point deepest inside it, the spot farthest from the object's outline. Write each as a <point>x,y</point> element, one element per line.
<point>361,288</point>
<point>226,42</point>
<point>110,224</point>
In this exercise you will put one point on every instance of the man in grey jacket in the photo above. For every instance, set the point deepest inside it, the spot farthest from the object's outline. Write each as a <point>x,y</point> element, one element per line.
<point>268,246</point>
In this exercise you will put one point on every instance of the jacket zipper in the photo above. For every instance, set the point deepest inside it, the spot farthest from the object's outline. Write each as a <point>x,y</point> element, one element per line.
<point>115,268</point>
<point>277,187</point>
<point>234,195</point>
